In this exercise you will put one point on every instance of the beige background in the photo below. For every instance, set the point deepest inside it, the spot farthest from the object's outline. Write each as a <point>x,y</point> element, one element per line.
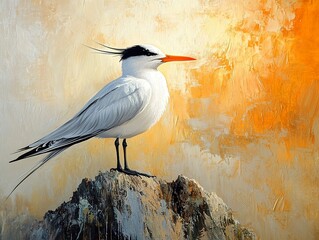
<point>243,120</point>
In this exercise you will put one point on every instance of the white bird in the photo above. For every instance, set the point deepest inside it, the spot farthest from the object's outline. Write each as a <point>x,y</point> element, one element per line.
<point>124,108</point>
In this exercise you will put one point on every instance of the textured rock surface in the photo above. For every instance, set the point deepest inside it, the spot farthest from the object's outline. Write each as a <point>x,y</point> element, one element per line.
<point>118,206</point>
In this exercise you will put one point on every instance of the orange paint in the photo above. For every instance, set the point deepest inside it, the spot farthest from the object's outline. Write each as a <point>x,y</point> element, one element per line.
<point>243,119</point>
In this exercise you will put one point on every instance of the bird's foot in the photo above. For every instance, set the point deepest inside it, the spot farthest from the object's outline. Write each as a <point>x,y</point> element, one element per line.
<point>135,173</point>
<point>131,172</point>
<point>119,169</point>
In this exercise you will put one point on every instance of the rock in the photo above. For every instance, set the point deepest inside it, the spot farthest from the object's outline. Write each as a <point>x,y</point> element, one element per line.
<point>119,206</point>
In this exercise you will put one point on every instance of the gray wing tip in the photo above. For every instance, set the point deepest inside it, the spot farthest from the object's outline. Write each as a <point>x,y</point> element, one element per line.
<point>22,149</point>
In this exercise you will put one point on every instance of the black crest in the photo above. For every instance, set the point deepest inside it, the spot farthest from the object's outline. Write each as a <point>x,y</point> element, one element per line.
<point>136,50</point>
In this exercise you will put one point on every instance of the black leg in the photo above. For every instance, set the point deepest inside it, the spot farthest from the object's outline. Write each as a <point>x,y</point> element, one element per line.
<point>117,144</point>
<point>124,144</point>
<point>126,169</point>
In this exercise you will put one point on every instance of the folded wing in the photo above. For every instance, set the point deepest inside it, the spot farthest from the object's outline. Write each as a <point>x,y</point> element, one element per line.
<point>115,104</point>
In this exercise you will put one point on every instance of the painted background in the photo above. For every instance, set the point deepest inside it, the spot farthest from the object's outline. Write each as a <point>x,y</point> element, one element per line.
<point>243,120</point>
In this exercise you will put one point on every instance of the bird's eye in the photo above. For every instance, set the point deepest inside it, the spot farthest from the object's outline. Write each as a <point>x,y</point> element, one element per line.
<point>148,54</point>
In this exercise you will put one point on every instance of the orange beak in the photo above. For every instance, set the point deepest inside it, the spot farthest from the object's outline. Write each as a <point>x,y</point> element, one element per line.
<point>170,58</point>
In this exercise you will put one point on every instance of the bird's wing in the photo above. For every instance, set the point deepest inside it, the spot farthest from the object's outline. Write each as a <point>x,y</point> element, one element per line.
<point>115,104</point>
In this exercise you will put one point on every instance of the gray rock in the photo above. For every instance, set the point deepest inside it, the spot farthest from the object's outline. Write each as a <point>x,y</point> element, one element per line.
<point>119,206</point>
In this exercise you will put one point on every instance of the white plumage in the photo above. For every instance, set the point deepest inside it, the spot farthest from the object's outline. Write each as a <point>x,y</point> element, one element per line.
<point>124,108</point>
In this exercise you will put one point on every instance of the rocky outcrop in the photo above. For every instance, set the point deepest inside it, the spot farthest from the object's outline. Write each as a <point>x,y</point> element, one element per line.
<point>119,206</point>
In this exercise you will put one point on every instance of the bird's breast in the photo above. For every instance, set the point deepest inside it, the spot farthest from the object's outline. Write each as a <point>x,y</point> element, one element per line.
<point>148,116</point>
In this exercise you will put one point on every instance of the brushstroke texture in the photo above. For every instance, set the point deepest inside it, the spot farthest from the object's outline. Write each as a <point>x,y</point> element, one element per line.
<point>244,122</point>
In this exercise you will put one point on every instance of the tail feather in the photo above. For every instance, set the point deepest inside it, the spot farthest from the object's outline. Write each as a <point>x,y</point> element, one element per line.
<point>23,149</point>
<point>51,146</point>
<point>36,167</point>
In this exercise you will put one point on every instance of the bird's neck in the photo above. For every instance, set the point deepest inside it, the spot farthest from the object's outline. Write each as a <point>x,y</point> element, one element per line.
<point>143,73</point>
<point>136,67</point>
<point>154,77</point>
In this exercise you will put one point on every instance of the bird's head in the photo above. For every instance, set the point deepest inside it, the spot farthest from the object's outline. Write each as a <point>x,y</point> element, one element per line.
<point>141,57</point>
